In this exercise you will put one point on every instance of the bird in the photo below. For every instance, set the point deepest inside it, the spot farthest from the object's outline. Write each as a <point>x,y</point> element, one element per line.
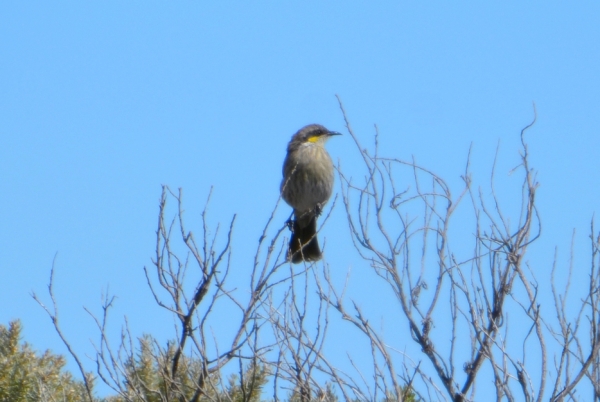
<point>306,186</point>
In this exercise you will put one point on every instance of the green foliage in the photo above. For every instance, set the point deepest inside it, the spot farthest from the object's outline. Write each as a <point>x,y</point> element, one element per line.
<point>25,376</point>
<point>407,396</point>
<point>328,395</point>
<point>150,379</point>
<point>249,387</point>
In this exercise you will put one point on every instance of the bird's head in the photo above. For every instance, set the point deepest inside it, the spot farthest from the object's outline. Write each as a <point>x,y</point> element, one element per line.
<point>311,134</point>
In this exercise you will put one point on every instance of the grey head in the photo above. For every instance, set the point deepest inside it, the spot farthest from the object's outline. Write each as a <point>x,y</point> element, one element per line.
<point>313,133</point>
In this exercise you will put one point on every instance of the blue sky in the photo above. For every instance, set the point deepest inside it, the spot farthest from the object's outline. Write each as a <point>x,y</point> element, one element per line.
<point>103,102</point>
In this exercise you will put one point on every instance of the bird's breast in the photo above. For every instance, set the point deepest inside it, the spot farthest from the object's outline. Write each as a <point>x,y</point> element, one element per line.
<point>308,178</point>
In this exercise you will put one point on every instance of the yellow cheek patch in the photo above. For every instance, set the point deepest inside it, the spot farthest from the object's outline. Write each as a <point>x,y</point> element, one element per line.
<point>314,138</point>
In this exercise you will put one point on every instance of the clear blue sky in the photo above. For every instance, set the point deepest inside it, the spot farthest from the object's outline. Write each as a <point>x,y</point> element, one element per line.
<point>102,102</point>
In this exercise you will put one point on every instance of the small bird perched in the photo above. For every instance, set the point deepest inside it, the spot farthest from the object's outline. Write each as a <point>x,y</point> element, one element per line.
<point>306,186</point>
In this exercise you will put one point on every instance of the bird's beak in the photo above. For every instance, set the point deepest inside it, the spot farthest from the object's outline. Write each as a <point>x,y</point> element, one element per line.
<point>332,133</point>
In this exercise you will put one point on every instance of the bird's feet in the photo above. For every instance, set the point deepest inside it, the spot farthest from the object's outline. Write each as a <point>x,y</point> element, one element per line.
<point>318,210</point>
<point>290,224</point>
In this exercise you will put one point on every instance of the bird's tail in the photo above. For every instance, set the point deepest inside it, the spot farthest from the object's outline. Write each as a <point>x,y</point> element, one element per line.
<point>304,245</point>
